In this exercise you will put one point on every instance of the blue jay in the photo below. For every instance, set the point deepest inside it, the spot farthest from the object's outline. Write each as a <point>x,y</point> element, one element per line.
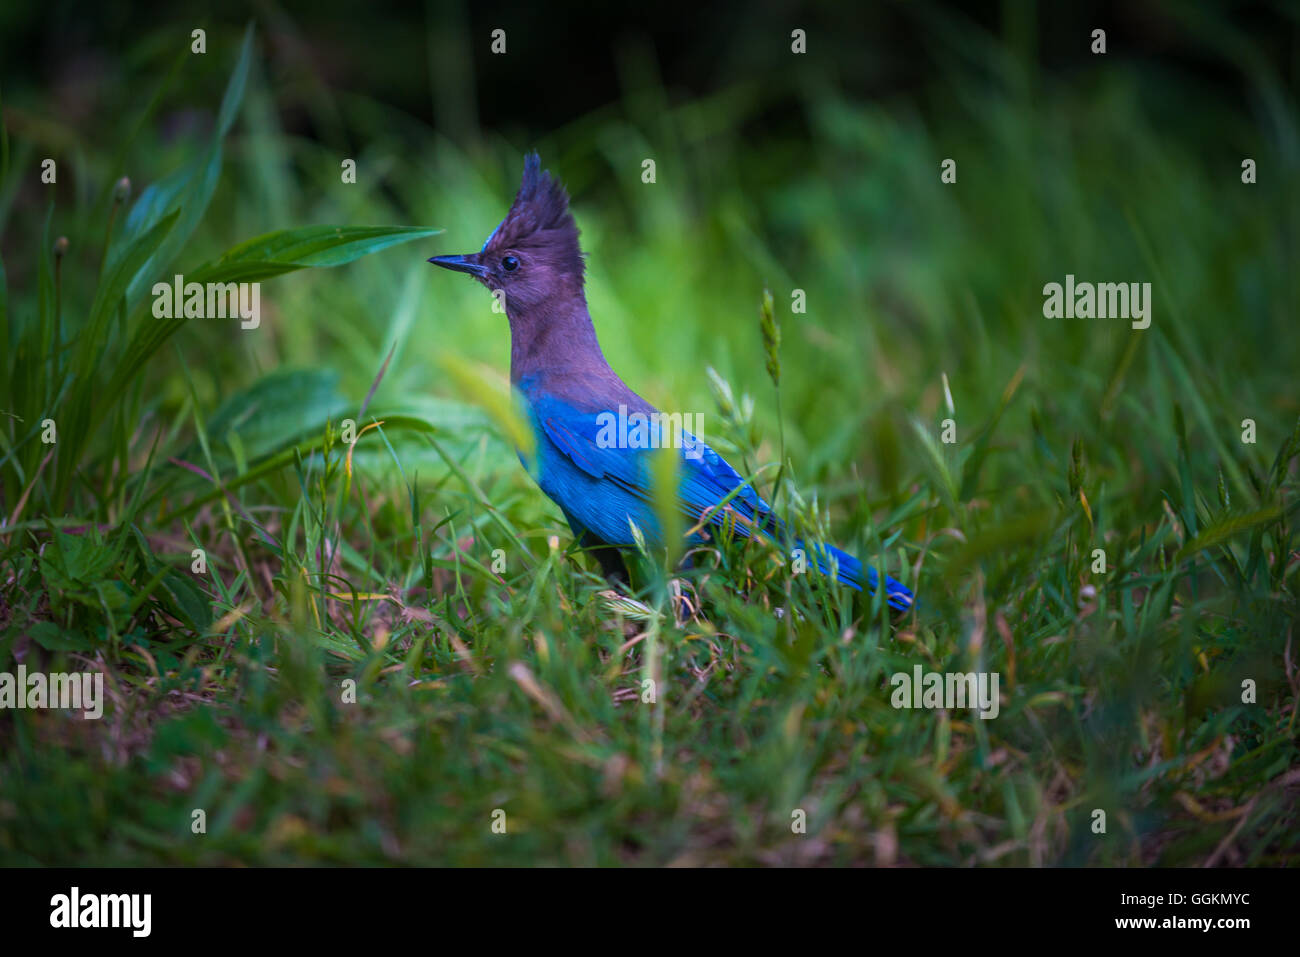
<point>533,262</point>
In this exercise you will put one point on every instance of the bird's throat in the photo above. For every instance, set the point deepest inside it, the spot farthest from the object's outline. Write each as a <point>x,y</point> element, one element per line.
<point>553,337</point>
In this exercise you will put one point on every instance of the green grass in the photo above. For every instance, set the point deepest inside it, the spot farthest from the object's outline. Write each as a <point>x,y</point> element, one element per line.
<point>520,690</point>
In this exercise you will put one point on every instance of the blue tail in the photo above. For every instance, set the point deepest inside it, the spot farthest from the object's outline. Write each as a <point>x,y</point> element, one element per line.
<point>897,595</point>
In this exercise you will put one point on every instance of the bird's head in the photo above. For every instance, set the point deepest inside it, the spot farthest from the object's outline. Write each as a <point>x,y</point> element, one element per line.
<point>533,254</point>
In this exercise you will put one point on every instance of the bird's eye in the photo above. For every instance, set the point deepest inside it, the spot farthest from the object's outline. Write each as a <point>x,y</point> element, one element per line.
<point>510,264</point>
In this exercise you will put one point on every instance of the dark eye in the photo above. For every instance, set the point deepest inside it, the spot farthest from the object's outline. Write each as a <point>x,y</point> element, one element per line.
<point>510,264</point>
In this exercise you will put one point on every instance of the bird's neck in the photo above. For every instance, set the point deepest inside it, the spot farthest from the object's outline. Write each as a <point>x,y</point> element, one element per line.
<point>554,336</point>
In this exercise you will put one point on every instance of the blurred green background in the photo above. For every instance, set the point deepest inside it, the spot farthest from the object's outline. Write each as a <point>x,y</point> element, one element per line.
<point>817,172</point>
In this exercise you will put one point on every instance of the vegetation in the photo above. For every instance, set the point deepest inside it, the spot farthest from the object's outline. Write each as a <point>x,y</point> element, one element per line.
<point>391,640</point>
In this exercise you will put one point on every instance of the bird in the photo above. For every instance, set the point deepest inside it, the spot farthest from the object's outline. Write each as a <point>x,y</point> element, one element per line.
<point>533,264</point>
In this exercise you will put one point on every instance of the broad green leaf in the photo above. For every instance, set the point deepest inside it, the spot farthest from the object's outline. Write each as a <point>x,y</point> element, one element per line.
<point>312,246</point>
<point>288,249</point>
<point>156,200</point>
<point>74,562</point>
<point>278,410</point>
<point>53,638</point>
<point>188,601</point>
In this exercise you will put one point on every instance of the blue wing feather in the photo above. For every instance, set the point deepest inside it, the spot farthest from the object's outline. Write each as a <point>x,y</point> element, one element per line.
<point>600,489</point>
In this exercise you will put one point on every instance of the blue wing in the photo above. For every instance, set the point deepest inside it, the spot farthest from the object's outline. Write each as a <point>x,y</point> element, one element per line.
<point>600,487</point>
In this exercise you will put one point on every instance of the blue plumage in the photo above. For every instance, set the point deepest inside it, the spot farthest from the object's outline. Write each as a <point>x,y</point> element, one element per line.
<point>600,489</point>
<point>533,258</point>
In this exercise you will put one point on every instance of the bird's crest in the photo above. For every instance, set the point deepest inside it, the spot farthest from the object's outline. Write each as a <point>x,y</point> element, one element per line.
<point>540,220</point>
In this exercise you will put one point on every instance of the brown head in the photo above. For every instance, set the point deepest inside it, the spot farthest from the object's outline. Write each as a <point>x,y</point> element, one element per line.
<point>533,255</point>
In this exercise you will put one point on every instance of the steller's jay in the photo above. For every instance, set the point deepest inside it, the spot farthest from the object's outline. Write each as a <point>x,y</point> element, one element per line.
<point>532,261</point>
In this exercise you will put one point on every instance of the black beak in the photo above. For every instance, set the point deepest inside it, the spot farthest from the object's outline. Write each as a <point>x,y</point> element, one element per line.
<point>460,264</point>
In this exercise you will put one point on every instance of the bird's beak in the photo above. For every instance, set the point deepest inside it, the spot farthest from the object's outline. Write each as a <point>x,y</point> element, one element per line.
<point>469,264</point>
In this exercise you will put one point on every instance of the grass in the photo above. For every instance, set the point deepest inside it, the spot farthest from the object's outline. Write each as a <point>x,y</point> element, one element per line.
<point>392,641</point>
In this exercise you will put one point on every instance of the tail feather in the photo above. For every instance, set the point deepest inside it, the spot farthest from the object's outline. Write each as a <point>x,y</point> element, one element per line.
<point>850,572</point>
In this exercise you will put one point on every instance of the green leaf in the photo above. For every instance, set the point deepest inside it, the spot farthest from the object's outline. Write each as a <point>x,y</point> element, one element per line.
<point>285,250</point>
<point>74,561</point>
<point>188,602</point>
<point>298,248</point>
<point>279,409</point>
<point>156,201</point>
<point>53,638</point>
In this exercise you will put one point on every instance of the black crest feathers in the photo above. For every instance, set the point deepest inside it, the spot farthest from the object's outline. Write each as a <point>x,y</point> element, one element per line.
<point>539,220</point>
